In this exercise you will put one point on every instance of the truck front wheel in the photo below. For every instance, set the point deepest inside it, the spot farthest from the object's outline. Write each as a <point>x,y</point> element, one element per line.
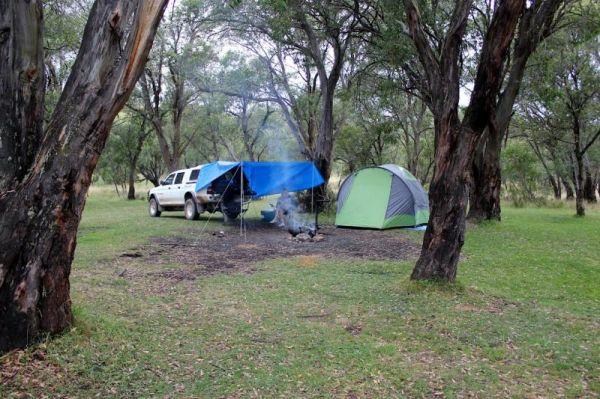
<point>153,208</point>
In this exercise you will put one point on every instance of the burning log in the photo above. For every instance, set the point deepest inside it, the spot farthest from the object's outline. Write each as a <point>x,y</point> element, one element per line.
<point>295,228</point>
<point>305,237</point>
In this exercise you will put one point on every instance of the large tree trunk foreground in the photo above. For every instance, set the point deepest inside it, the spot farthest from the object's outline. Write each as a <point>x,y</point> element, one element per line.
<point>40,217</point>
<point>455,140</point>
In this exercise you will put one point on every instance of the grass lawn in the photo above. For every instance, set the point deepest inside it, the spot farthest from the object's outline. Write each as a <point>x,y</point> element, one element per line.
<point>522,320</point>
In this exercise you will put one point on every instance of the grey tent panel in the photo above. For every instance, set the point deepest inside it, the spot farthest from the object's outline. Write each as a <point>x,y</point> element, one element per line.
<point>401,201</point>
<point>421,200</point>
<point>345,190</point>
<point>395,169</point>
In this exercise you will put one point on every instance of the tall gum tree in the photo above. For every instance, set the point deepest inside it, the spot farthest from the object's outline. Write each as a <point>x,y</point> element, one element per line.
<point>41,209</point>
<point>539,20</point>
<point>317,37</point>
<point>559,108</point>
<point>456,138</point>
<point>165,87</point>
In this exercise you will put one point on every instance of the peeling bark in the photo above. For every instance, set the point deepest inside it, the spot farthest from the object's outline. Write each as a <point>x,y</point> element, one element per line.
<point>39,219</point>
<point>22,87</point>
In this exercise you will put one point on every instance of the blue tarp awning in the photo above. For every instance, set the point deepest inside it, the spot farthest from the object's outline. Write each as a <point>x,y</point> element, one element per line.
<point>265,178</point>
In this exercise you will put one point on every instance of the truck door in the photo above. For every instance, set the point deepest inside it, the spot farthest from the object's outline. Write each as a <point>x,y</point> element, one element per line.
<point>177,191</point>
<point>164,189</point>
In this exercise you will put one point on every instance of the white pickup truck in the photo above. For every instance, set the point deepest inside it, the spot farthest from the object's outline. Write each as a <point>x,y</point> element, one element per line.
<point>177,192</point>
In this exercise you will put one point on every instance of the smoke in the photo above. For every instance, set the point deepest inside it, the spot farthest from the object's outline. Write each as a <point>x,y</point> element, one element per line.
<point>291,216</point>
<point>280,143</point>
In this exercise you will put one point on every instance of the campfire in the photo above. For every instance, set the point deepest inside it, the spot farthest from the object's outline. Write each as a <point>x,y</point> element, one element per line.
<point>289,215</point>
<point>305,237</point>
<point>297,226</point>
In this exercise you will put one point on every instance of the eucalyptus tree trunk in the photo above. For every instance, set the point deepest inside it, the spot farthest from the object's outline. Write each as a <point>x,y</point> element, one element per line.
<point>340,38</point>
<point>589,184</point>
<point>448,196</point>
<point>570,194</point>
<point>21,88</point>
<point>177,109</point>
<point>486,174</point>
<point>578,154</point>
<point>40,215</point>
<point>247,137</point>
<point>556,189</point>
<point>151,95</point>
<point>324,146</point>
<point>554,183</point>
<point>456,140</point>
<point>133,165</point>
<point>131,182</point>
<point>536,23</point>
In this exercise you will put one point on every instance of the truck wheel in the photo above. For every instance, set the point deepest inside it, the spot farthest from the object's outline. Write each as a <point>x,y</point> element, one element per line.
<point>153,208</point>
<point>191,212</point>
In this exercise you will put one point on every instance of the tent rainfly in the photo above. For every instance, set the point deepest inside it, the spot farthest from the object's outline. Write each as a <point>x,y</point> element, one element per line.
<point>382,197</point>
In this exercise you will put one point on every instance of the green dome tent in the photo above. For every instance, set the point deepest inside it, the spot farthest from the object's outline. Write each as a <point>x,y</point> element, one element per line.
<point>381,197</point>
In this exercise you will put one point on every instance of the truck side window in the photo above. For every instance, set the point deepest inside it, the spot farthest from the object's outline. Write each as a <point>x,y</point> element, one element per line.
<point>179,178</point>
<point>194,175</point>
<point>169,180</point>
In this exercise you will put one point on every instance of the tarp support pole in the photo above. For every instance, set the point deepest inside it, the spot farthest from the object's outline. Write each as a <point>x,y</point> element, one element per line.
<point>242,198</point>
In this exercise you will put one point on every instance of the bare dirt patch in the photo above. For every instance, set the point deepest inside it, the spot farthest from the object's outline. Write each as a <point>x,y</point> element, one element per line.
<point>229,251</point>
